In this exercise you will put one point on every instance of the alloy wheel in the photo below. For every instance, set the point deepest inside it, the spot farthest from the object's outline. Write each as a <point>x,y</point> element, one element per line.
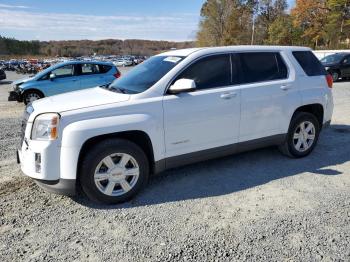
<point>304,136</point>
<point>335,76</point>
<point>116,174</point>
<point>31,97</point>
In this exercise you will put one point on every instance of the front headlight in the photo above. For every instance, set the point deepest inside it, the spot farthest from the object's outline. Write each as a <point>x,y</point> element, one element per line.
<point>45,127</point>
<point>327,67</point>
<point>17,87</point>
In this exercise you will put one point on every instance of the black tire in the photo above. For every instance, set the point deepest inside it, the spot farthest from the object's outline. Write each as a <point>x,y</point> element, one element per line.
<point>96,154</point>
<point>335,76</point>
<point>28,94</point>
<point>288,148</point>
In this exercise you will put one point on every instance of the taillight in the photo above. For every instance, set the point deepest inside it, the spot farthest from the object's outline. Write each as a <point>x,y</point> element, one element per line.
<point>329,79</point>
<point>117,75</point>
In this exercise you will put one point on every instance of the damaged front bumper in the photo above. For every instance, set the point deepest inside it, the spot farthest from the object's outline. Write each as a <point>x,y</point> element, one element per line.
<point>15,96</point>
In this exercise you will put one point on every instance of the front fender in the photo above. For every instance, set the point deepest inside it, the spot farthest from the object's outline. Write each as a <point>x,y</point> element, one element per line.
<point>31,87</point>
<point>74,135</point>
<point>26,86</point>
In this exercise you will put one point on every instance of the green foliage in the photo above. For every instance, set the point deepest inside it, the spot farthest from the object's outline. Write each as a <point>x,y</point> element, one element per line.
<point>232,21</point>
<point>337,28</point>
<point>77,48</point>
<point>315,23</point>
<point>282,32</point>
<point>12,46</point>
<point>215,21</point>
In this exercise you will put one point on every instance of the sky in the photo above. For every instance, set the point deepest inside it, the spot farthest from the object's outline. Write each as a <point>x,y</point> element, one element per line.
<point>172,20</point>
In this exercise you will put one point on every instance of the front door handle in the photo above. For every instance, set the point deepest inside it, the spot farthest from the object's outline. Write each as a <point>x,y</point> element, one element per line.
<point>228,95</point>
<point>285,87</point>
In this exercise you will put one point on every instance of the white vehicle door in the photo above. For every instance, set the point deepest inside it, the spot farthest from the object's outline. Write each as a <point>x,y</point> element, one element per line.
<point>205,118</point>
<point>268,95</point>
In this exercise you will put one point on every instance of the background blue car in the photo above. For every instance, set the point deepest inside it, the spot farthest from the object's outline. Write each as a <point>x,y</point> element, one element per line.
<point>62,78</point>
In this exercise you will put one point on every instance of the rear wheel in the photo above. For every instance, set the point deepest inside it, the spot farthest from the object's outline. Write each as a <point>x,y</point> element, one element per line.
<point>335,76</point>
<point>31,96</point>
<point>114,171</point>
<point>302,135</point>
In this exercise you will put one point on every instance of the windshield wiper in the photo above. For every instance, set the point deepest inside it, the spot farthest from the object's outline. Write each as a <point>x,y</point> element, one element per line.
<point>118,89</point>
<point>114,89</point>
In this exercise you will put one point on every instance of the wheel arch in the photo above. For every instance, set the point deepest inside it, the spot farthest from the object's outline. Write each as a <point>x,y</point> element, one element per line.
<point>315,109</point>
<point>138,137</point>
<point>32,90</point>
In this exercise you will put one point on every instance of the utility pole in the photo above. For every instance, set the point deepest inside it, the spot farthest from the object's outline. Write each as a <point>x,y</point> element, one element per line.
<point>254,13</point>
<point>253,31</point>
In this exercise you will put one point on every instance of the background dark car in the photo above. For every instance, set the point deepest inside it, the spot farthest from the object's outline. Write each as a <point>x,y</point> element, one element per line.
<point>2,74</point>
<point>338,65</point>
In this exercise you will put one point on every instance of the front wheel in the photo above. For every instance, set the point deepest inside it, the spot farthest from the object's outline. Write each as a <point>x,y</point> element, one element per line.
<point>31,96</point>
<point>302,136</point>
<point>114,171</point>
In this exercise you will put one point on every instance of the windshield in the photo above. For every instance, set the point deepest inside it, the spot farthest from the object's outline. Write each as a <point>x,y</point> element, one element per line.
<point>145,75</point>
<point>43,74</point>
<point>336,58</point>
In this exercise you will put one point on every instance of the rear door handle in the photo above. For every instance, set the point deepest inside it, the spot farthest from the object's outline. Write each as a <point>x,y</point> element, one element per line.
<point>285,87</point>
<point>228,95</point>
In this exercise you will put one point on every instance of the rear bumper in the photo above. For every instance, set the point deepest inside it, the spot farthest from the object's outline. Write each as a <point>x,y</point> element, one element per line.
<point>15,96</point>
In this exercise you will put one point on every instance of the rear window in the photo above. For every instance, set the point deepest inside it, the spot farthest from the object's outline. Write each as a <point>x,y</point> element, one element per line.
<point>309,62</point>
<point>262,66</point>
<point>104,68</point>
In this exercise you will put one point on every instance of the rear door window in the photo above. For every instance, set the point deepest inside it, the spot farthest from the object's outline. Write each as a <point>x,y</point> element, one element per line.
<point>89,69</point>
<point>209,72</point>
<point>262,66</point>
<point>309,62</point>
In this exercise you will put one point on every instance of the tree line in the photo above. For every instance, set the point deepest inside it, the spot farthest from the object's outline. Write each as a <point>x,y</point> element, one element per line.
<point>10,46</point>
<point>319,24</point>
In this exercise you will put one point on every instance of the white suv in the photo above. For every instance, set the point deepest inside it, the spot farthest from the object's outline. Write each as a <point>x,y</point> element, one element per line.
<point>176,108</point>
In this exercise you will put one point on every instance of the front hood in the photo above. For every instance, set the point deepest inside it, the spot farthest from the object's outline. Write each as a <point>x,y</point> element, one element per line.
<point>77,100</point>
<point>23,80</point>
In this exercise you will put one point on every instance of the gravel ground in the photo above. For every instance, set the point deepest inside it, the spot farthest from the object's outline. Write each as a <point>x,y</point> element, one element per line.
<point>252,206</point>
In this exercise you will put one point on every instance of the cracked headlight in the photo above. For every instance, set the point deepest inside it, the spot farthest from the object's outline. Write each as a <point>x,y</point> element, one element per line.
<point>45,127</point>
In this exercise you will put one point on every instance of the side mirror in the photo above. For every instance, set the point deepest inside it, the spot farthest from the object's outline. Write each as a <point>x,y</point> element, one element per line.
<point>182,85</point>
<point>52,76</point>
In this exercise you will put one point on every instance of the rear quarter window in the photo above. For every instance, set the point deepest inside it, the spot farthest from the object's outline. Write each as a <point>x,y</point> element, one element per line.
<point>104,68</point>
<point>309,62</point>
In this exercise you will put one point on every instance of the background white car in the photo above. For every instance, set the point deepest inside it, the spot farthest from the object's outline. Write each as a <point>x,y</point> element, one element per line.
<point>123,62</point>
